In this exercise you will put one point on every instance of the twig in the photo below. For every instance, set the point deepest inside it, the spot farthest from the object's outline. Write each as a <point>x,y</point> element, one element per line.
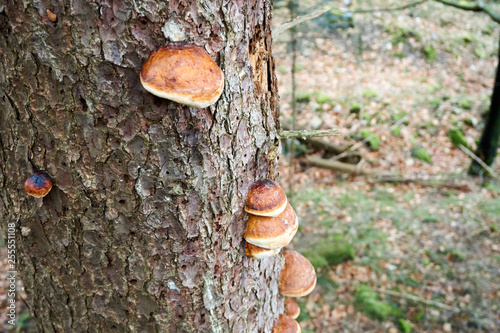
<point>478,7</point>
<point>424,181</point>
<point>478,160</point>
<point>304,134</point>
<point>293,44</point>
<point>417,299</point>
<point>318,12</point>
<point>339,166</point>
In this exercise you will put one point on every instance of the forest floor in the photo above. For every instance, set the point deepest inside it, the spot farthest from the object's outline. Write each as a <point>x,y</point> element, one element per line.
<point>394,257</point>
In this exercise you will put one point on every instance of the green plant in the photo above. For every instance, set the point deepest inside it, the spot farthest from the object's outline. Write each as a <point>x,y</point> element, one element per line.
<point>355,107</point>
<point>430,54</point>
<point>322,98</point>
<point>404,326</point>
<point>396,131</point>
<point>421,154</point>
<point>370,93</point>
<point>303,96</point>
<point>457,138</point>
<point>373,140</point>
<point>368,302</point>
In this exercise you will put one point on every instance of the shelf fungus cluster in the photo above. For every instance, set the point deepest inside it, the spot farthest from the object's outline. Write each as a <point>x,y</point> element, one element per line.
<point>272,222</point>
<point>183,73</point>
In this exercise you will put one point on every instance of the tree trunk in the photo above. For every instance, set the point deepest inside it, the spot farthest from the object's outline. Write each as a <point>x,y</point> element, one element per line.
<point>143,230</point>
<point>488,144</point>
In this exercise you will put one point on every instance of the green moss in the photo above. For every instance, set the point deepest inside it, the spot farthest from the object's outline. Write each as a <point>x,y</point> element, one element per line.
<point>282,69</point>
<point>323,98</point>
<point>370,93</point>
<point>479,53</point>
<point>436,102</point>
<point>430,54</point>
<point>374,141</point>
<point>298,67</point>
<point>457,137</point>
<point>330,252</point>
<point>303,96</point>
<point>355,107</point>
<point>368,302</point>
<point>396,131</point>
<point>404,326</point>
<point>421,154</point>
<point>465,103</point>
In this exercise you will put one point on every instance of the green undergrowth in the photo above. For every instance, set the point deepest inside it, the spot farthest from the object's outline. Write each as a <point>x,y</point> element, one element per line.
<point>330,252</point>
<point>368,301</point>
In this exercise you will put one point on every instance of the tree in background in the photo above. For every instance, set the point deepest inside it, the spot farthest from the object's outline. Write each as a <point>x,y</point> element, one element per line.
<point>488,144</point>
<point>143,231</point>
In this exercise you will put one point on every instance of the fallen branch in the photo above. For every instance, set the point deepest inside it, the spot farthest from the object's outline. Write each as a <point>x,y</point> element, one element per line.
<point>478,7</point>
<point>339,166</point>
<point>418,299</point>
<point>303,134</point>
<point>478,160</point>
<point>424,181</point>
<point>318,12</point>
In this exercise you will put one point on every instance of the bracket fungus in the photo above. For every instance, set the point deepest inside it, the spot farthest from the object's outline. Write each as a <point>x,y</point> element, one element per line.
<point>292,309</point>
<point>265,198</point>
<point>257,252</point>
<point>286,325</point>
<point>38,185</point>
<point>298,277</point>
<point>272,232</point>
<point>183,73</point>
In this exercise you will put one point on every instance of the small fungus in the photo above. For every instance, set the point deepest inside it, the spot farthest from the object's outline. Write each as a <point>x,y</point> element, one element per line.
<point>38,185</point>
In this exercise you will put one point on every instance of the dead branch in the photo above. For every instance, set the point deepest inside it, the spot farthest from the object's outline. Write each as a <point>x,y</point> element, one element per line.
<point>417,299</point>
<point>339,166</point>
<point>304,134</point>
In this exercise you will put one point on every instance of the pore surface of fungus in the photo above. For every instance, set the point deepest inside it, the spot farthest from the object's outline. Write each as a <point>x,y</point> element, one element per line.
<point>286,325</point>
<point>257,252</point>
<point>298,277</point>
<point>38,185</point>
<point>272,232</point>
<point>292,309</point>
<point>183,73</point>
<point>265,198</point>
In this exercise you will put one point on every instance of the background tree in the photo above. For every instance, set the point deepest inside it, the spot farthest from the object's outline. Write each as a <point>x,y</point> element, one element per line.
<point>143,230</point>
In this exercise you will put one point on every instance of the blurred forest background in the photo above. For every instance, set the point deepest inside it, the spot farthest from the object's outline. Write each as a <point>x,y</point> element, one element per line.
<point>415,244</point>
<point>401,237</point>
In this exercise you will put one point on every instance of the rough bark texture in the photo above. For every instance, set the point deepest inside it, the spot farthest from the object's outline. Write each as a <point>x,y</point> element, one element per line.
<point>143,230</point>
<point>488,144</point>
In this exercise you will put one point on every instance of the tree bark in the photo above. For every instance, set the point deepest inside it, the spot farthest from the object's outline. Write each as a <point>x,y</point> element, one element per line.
<point>488,144</point>
<point>143,231</point>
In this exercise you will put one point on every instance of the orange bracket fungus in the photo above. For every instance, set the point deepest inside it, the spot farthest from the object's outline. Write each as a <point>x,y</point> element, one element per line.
<point>298,277</point>
<point>257,252</point>
<point>286,325</point>
<point>272,232</point>
<point>292,309</point>
<point>265,198</point>
<point>38,185</point>
<point>183,73</point>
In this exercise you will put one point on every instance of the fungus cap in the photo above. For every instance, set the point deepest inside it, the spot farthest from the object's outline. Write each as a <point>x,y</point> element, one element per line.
<point>183,73</point>
<point>298,277</point>
<point>292,309</point>
<point>272,232</point>
<point>286,325</point>
<point>265,198</point>
<point>38,185</point>
<point>257,252</point>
